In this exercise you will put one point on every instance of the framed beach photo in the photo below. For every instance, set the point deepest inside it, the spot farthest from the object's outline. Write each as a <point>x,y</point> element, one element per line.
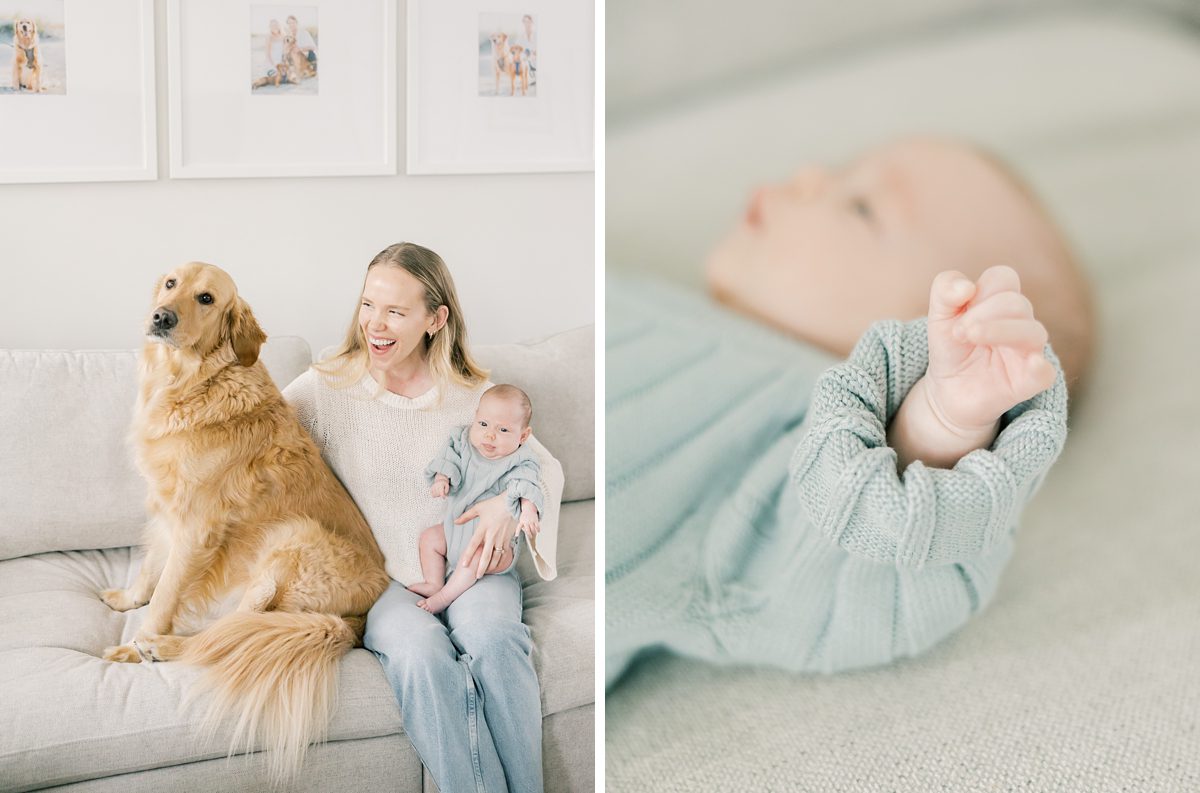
<point>303,88</point>
<point>500,87</point>
<point>283,50</point>
<point>98,125</point>
<point>35,58</point>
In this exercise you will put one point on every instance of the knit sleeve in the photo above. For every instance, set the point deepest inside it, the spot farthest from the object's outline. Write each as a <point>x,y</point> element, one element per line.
<point>449,462</point>
<point>301,395</point>
<point>846,475</point>
<point>524,480</point>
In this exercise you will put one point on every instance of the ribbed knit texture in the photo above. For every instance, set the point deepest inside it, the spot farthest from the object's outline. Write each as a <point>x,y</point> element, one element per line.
<point>379,446</point>
<point>714,551</point>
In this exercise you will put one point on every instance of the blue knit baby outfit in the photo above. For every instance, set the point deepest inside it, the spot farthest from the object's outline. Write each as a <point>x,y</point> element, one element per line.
<point>474,478</point>
<point>755,514</point>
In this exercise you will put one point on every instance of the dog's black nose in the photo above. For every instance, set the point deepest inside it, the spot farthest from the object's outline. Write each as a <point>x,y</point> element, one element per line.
<point>164,319</point>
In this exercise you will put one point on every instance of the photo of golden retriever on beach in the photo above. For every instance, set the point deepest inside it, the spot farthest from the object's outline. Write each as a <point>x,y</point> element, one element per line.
<point>32,47</point>
<point>283,49</point>
<point>240,501</point>
<point>507,55</point>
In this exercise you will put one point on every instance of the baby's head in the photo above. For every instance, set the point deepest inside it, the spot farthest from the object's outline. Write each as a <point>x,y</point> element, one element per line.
<point>829,252</point>
<point>501,421</point>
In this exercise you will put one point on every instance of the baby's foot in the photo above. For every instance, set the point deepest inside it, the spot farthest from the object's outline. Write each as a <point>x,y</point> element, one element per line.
<point>425,589</point>
<point>434,605</point>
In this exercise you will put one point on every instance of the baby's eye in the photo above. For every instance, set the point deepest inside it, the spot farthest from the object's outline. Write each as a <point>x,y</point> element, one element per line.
<point>504,429</point>
<point>483,423</point>
<point>862,208</point>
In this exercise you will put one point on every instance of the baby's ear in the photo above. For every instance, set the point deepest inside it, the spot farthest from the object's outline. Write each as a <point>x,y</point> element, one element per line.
<point>245,333</point>
<point>525,433</point>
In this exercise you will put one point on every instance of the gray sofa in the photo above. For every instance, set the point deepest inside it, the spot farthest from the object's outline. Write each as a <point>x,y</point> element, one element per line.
<point>70,508</point>
<point>1082,673</point>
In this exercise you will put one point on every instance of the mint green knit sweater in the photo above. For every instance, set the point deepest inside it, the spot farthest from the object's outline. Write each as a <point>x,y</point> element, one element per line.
<point>754,513</point>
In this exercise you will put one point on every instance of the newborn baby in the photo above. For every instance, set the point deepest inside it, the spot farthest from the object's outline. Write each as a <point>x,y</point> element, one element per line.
<point>480,460</point>
<point>821,522</point>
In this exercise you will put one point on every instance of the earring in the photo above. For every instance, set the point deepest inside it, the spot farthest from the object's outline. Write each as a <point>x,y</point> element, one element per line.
<point>430,334</point>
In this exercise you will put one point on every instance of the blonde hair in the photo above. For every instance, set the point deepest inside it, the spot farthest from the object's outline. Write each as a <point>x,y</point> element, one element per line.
<point>447,351</point>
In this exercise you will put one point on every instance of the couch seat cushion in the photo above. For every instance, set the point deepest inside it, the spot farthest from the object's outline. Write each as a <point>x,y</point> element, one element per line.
<point>70,716</point>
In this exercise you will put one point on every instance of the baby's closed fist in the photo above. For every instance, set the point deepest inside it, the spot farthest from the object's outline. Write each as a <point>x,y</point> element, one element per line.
<point>440,487</point>
<point>528,521</point>
<point>986,348</point>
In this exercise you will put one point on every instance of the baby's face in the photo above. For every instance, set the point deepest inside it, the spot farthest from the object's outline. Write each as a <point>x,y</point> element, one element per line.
<point>499,427</point>
<point>828,252</point>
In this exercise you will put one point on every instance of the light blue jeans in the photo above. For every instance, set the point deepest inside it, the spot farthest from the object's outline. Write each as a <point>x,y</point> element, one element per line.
<point>466,687</point>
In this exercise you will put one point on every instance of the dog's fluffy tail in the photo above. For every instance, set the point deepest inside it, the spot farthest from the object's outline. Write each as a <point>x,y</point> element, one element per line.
<point>277,673</point>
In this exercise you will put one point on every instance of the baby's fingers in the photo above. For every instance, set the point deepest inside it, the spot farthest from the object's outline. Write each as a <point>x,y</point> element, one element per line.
<point>997,280</point>
<point>1026,334</point>
<point>1037,375</point>
<point>951,290</point>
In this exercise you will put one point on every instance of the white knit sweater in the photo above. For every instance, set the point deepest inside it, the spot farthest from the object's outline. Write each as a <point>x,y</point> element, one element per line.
<point>379,445</point>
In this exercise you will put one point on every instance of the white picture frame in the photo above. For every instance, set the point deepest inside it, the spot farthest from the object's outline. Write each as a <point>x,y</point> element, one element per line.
<point>219,126</point>
<point>99,124</point>
<point>456,124</point>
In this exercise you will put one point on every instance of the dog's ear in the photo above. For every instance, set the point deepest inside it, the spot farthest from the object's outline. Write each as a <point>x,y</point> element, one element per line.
<point>244,332</point>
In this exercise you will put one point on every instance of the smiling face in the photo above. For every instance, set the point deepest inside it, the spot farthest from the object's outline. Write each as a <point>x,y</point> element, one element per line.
<point>394,320</point>
<point>828,252</point>
<point>499,428</point>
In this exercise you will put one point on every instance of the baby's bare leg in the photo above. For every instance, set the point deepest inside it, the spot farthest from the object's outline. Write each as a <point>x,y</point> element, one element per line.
<point>460,581</point>
<point>432,550</point>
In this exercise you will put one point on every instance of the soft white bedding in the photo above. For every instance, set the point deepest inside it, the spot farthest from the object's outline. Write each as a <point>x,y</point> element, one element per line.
<point>1081,675</point>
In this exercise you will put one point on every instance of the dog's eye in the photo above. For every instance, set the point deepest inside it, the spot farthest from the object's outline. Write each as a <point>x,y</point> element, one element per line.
<point>170,284</point>
<point>205,298</point>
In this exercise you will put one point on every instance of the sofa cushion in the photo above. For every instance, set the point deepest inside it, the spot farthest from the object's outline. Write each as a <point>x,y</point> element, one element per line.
<point>67,474</point>
<point>69,716</point>
<point>558,373</point>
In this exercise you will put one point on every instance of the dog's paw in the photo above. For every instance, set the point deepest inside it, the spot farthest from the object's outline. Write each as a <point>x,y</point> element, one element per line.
<point>122,654</point>
<point>119,599</point>
<point>158,647</point>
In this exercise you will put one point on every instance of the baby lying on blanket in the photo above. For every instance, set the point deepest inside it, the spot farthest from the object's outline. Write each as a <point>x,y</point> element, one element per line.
<point>759,511</point>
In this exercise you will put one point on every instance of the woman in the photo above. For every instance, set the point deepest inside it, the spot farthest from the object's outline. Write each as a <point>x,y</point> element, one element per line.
<point>380,409</point>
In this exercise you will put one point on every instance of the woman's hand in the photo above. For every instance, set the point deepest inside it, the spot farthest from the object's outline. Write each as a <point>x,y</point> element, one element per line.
<point>496,529</point>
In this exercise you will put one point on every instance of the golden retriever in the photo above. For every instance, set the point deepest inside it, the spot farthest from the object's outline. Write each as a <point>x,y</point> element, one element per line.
<point>520,68</point>
<point>301,67</point>
<point>27,56</point>
<point>240,499</point>
<point>502,61</point>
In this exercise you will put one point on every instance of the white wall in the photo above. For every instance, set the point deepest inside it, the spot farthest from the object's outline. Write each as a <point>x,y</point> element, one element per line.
<point>78,261</point>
